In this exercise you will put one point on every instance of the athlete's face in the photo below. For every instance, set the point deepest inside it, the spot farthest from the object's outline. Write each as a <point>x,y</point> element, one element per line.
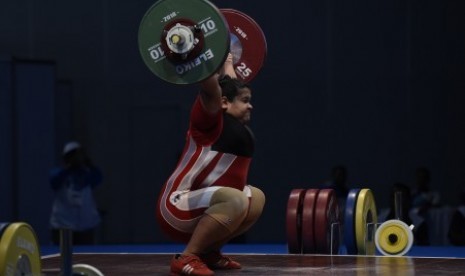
<point>241,106</point>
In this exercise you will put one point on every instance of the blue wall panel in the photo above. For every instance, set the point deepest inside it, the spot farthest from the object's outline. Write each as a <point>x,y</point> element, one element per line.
<point>6,176</point>
<point>35,88</point>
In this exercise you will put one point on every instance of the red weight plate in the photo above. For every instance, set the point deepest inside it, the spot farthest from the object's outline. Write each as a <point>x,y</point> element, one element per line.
<point>293,221</point>
<point>308,221</point>
<point>248,44</point>
<point>326,213</point>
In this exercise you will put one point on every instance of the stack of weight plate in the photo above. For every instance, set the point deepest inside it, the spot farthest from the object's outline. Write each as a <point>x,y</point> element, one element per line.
<point>313,225</point>
<point>363,234</point>
<point>360,219</point>
<point>312,222</point>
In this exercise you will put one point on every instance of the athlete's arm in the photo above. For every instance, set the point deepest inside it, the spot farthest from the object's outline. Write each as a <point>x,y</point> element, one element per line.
<point>228,67</point>
<point>211,90</point>
<point>210,94</point>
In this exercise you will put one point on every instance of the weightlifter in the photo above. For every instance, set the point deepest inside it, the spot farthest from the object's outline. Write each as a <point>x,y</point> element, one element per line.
<point>206,201</point>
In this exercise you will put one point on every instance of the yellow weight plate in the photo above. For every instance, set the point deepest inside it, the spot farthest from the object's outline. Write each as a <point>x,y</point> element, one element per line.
<point>394,237</point>
<point>19,251</point>
<point>365,212</point>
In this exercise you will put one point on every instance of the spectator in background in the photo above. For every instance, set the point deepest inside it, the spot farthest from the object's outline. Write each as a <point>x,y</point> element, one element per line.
<point>338,182</point>
<point>423,199</point>
<point>403,193</point>
<point>456,232</point>
<point>74,206</point>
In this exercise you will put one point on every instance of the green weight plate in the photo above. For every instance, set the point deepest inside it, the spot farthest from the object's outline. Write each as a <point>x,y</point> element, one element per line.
<point>209,27</point>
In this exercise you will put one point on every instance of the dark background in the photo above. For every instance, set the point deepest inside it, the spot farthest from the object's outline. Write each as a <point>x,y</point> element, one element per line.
<point>377,86</point>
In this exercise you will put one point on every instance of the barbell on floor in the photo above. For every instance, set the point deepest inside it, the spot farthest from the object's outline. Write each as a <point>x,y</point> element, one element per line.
<point>20,252</point>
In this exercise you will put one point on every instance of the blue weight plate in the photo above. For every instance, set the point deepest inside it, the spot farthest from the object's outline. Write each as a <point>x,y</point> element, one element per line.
<point>349,222</point>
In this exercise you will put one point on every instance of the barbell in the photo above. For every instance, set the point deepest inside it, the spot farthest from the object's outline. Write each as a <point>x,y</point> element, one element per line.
<point>187,41</point>
<point>20,253</point>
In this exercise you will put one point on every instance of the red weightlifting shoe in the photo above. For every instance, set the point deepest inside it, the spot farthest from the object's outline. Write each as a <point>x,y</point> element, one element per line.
<point>189,265</point>
<point>215,260</point>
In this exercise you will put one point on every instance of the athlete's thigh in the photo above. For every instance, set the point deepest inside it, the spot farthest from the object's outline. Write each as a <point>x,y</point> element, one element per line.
<point>184,209</point>
<point>193,200</point>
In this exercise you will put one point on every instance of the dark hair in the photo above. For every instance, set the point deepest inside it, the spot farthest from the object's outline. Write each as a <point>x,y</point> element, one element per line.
<point>230,87</point>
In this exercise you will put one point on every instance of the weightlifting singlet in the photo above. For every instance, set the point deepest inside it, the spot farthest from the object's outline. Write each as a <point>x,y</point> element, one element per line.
<point>217,153</point>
